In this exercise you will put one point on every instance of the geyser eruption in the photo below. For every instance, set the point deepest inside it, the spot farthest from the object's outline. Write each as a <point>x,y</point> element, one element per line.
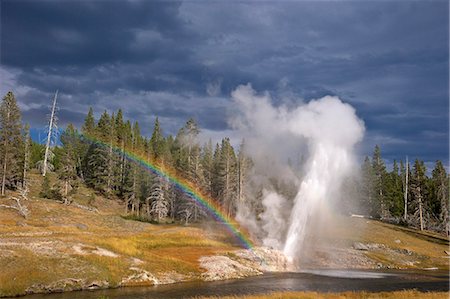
<point>324,131</point>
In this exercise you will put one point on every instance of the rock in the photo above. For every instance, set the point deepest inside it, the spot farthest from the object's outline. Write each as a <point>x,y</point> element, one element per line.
<point>173,277</point>
<point>406,251</point>
<point>397,241</point>
<point>101,284</point>
<point>264,259</point>
<point>222,267</point>
<point>140,276</point>
<point>81,226</point>
<point>62,285</point>
<point>21,223</point>
<point>85,249</point>
<point>360,246</point>
<point>243,263</point>
<point>447,252</point>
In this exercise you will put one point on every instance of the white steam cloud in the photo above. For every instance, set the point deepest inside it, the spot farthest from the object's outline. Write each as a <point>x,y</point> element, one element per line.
<point>309,146</point>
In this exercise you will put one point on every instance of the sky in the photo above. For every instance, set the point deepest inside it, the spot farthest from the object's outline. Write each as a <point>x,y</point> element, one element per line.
<point>182,59</point>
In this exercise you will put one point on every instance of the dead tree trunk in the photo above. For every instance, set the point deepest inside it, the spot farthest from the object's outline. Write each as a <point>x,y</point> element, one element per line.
<point>420,210</point>
<point>405,196</point>
<point>4,172</point>
<point>22,210</point>
<point>26,159</point>
<point>49,135</point>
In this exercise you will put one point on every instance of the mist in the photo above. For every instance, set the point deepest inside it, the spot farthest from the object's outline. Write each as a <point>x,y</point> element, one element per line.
<point>309,147</point>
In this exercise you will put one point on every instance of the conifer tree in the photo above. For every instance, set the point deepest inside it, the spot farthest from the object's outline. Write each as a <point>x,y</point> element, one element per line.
<point>157,142</point>
<point>10,140</point>
<point>89,123</point>
<point>418,190</point>
<point>227,177</point>
<point>243,167</point>
<point>208,168</point>
<point>67,172</point>
<point>379,172</point>
<point>216,180</point>
<point>97,156</point>
<point>188,164</point>
<point>45,190</point>
<point>394,194</point>
<point>367,187</point>
<point>440,181</point>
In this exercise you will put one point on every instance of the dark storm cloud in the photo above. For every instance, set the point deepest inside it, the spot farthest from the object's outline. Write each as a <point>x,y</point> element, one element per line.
<point>178,60</point>
<point>85,32</point>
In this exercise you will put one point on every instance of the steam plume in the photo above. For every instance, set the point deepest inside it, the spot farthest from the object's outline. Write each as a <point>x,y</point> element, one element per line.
<point>323,131</point>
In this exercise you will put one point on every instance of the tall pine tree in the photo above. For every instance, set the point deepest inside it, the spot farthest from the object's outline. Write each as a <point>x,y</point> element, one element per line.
<point>11,140</point>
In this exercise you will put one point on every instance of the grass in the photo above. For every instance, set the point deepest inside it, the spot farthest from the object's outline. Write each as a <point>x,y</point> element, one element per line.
<point>57,228</point>
<point>345,295</point>
<point>41,248</point>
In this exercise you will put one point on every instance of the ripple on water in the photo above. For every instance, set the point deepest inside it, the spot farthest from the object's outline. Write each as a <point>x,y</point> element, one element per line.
<point>348,273</point>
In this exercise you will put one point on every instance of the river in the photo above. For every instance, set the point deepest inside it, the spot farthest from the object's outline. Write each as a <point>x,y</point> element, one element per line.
<point>313,280</point>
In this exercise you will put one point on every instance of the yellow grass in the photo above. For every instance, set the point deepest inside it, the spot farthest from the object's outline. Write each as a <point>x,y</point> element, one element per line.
<point>345,295</point>
<point>158,248</point>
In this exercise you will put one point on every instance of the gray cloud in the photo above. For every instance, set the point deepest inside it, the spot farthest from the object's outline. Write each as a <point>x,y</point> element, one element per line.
<point>182,59</point>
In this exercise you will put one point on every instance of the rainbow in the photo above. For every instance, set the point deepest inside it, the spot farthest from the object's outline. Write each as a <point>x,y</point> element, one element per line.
<point>208,204</point>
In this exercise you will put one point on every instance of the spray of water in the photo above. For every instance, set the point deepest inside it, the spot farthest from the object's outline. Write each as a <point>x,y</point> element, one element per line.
<point>323,131</point>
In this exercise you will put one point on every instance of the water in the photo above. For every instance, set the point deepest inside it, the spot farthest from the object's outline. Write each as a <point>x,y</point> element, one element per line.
<point>314,280</point>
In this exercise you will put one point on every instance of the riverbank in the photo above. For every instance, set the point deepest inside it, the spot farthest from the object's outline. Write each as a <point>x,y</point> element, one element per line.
<point>88,245</point>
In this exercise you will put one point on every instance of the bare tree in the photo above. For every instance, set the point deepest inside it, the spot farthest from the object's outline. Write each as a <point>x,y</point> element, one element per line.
<point>26,161</point>
<point>21,209</point>
<point>405,196</point>
<point>51,134</point>
<point>159,204</point>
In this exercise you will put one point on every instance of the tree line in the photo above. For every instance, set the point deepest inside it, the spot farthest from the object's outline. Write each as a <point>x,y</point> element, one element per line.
<point>218,170</point>
<point>406,194</point>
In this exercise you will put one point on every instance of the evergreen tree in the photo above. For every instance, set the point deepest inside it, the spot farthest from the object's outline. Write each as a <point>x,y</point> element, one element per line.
<point>10,141</point>
<point>97,157</point>
<point>379,172</point>
<point>103,128</point>
<point>243,167</point>
<point>67,171</point>
<point>226,177</point>
<point>36,153</point>
<point>208,168</point>
<point>157,142</point>
<point>89,123</point>
<point>188,164</point>
<point>367,188</point>
<point>418,192</point>
<point>45,190</point>
<point>440,182</point>
<point>394,194</point>
<point>216,181</point>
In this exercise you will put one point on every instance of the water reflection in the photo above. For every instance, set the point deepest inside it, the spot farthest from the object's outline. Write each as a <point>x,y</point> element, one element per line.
<point>313,280</point>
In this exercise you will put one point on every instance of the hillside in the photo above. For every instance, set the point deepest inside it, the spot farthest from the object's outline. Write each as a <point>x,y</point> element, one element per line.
<point>70,247</point>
